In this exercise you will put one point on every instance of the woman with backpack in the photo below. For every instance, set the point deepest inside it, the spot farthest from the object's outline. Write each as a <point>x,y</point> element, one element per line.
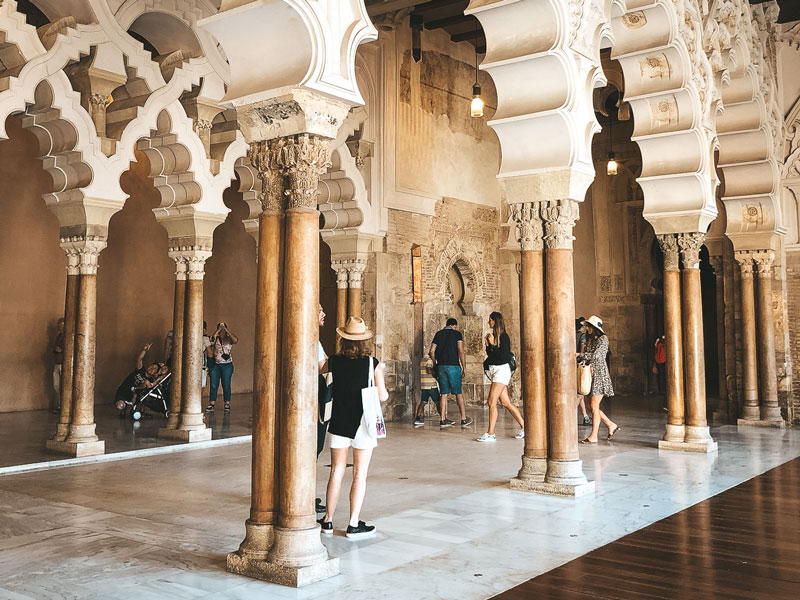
<point>597,353</point>
<point>498,370</point>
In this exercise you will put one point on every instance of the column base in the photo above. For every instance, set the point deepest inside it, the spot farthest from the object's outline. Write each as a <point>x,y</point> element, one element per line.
<point>77,449</point>
<point>185,435</point>
<point>281,574</point>
<point>699,447</point>
<point>533,469</point>
<point>62,431</point>
<point>759,423</point>
<point>562,478</point>
<point>673,434</point>
<point>258,539</point>
<point>751,413</point>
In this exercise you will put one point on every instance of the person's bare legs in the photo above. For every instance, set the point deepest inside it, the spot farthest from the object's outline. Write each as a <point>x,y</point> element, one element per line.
<point>461,407</point>
<point>598,416</point>
<point>582,407</point>
<point>443,407</point>
<point>505,400</point>
<point>361,460</point>
<point>494,396</point>
<point>338,468</point>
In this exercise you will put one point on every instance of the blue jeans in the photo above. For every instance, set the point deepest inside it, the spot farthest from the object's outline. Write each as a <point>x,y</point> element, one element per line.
<point>223,371</point>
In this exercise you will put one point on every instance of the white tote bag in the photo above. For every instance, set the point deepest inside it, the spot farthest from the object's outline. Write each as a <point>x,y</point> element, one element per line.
<point>371,403</point>
<point>584,379</point>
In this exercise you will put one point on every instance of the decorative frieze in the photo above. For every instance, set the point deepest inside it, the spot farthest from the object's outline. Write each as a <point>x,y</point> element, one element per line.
<point>530,228</point>
<point>690,244</point>
<point>559,218</point>
<point>669,248</point>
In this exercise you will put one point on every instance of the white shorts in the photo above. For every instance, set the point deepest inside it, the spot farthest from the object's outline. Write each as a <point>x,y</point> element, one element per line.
<point>362,441</point>
<point>500,374</point>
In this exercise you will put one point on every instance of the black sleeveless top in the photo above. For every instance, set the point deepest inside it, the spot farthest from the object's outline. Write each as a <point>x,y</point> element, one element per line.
<point>350,376</point>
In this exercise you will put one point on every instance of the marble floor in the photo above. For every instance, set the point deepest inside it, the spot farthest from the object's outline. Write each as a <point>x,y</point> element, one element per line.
<point>23,434</point>
<point>448,526</point>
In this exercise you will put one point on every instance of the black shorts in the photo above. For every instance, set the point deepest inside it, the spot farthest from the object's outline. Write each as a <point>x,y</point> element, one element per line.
<point>430,394</point>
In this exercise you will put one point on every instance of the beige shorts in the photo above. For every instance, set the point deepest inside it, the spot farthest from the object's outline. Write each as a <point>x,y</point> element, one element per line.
<point>362,441</point>
<point>500,374</point>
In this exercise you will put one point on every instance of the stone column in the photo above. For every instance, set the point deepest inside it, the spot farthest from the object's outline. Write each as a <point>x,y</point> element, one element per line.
<point>355,269</point>
<point>527,216</point>
<point>721,412</point>
<point>564,475</point>
<point>750,410</point>
<point>82,439</point>
<point>98,103</point>
<point>673,334</point>
<point>698,438</point>
<point>68,366</point>
<point>249,559</point>
<point>176,359</point>
<point>767,375</point>
<point>297,555</point>
<point>191,426</point>
<point>341,297</point>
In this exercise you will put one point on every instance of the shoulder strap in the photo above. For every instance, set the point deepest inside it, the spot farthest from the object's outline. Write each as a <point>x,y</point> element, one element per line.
<point>371,380</point>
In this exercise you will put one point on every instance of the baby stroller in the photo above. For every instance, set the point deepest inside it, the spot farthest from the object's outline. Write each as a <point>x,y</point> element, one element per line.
<point>154,399</point>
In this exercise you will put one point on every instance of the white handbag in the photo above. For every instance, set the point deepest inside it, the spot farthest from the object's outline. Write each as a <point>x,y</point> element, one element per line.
<point>371,403</point>
<point>584,379</point>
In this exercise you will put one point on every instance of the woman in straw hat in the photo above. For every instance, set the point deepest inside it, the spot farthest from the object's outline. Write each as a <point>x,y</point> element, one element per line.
<point>350,370</point>
<point>596,352</point>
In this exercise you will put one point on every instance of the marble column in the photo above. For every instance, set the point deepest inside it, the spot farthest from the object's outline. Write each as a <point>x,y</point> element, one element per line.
<point>191,426</point>
<point>698,438</point>
<point>250,557</point>
<point>673,333</point>
<point>297,556</point>
<point>767,375</point>
<point>750,410</point>
<point>722,410</point>
<point>82,439</point>
<point>341,297</point>
<point>176,358</point>
<point>68,366</point>
<point>527,217</point>
<point>355,271</point>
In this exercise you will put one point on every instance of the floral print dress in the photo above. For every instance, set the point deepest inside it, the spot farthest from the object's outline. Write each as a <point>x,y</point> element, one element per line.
<point>596,351</point>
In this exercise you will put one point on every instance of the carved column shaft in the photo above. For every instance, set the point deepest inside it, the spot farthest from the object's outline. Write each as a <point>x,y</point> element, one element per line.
<point>534,392</point>
<point>722,408</point>
<point>192,406</point>
<point>341,298</point>
<point>176,358</point>
<point>673,333</point>
<point>750,410</point>
<point>68,349</point>
<point>768,376</point>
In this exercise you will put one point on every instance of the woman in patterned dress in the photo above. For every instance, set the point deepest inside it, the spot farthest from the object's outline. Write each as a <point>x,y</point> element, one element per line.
<point>596,351</point>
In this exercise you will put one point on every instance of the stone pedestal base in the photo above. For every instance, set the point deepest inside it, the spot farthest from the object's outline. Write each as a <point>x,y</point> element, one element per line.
<point>184,435</point>
<point>533,469</point>
<point>280,574</point>
<point>759,423</point>
<point>62,431</point>
<point>703,447</point>
<point>563,478</point>
<point>751,412</point>
<point>77,449</point>
<point>674,433</point>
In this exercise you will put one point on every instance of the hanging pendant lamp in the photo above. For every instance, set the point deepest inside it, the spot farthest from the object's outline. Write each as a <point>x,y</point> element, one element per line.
<point>611,168</point>
<point>476,106</point>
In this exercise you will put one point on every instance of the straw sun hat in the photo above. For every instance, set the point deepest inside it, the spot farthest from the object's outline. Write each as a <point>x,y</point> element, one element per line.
<point>596,322</point>
<point>354,329</point>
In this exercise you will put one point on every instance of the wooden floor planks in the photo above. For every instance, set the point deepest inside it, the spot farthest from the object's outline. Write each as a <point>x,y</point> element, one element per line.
<point>742,544</point>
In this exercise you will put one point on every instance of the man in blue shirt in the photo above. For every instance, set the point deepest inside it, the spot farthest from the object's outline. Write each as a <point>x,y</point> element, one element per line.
<point>447,352</point>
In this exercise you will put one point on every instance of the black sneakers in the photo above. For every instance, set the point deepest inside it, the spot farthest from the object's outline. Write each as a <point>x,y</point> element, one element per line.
<point>362,531</point>
<point>466,422</point>
<point>419,421</point>
<point>446,423</point>
<point>319,507</point>
<point>326,526</point>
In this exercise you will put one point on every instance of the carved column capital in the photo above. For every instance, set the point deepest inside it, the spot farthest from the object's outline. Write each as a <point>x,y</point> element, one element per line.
<point>180,265</point>
<point>341,273</point>
<point>82,254</point>
<point>745,260</point>
<point>690,244</point>
<point>559,218</point>
<point>355,270</point>
<point>190,261</point>
<point>763,260</point>
<point>669,248</point>
<point>530,228</point>
<point>304,158</point>
<point>99,100</point>
<point>263,157</point>
<point>202,125</point>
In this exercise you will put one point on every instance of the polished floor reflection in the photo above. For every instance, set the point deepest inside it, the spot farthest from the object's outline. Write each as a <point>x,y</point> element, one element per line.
<point>449,527</point>
<point>743,543</point>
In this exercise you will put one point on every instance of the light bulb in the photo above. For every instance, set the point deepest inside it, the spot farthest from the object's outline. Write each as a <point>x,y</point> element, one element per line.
<point>476,107</point>
<point>612,164</point>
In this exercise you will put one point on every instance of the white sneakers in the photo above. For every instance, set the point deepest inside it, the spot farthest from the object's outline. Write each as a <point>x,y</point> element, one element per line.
<point>486,438</point>
<point>520,435</point>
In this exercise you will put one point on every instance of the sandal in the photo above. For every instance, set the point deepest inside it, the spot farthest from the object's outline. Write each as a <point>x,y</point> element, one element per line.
<point>611,434</point>
<point>227,407</point>
<point>210,407</point>
<point>587,441</point>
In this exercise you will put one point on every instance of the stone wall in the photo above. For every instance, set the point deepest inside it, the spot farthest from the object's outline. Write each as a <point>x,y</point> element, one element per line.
<point>793,308</point>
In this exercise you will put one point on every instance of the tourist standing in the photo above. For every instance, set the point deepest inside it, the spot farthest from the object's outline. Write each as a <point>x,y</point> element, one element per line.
<point>350,369</point>
<point>581,338</point>
<point>429,390</point>
<point>660,367</point>
<point>222,341</point>
<point>498,359</point>
<point>58,361</point>
<point>596,353</point>
<point>447,353</point>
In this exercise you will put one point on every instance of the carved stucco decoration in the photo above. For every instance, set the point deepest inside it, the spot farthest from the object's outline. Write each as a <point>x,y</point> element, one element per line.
<point>559,217</point>
<point>304,158</point>
<point>690,244</point>
<point>669,248</point>
<point>791,35</point>
<point>791,162</point>
<point>528,220</point>
<point>264,158</point>
<point>471,268</point>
